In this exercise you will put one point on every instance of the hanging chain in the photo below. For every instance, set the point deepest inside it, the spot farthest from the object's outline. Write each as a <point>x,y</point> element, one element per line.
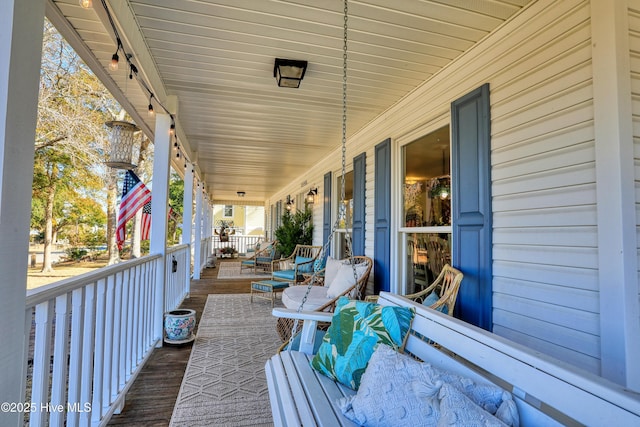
<point>313,280</point>
<point>344,104</point>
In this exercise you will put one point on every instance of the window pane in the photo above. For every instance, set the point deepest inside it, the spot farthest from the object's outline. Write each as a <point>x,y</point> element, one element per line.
<point>427,181</point>
<point>228,211</point>
<point>427,253</point>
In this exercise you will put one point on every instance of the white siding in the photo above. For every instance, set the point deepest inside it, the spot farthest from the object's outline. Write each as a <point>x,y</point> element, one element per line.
<point>538,65</point>
<point>634,47</point>
<point>544,193</point>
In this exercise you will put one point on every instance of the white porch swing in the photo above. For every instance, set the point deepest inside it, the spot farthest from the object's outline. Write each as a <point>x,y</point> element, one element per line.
<point>329,280</point>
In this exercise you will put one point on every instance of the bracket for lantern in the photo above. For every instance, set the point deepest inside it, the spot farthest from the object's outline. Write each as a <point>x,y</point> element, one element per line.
<point>122,144</point>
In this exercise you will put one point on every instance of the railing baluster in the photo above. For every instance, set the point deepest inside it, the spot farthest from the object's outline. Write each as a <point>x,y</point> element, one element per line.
<point>108,343</point>
<point>130,324</point>
<point>98,361</point>
<point>117,337</point>
<point>136,316</point>
<point>41,363</point>
<point>88,342</point>
<point>75,361</point>
<point>59,375</point>
<point>124,323</point>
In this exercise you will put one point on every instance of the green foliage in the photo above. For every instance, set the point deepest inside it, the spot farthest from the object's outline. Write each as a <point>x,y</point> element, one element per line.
<point>75,253</point>
<point>295,229</point>
<point>176,197</point>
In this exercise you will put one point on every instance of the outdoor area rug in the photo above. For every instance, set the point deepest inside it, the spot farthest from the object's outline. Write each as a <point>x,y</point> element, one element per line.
<point>224,382</point>
<point>232,270</point>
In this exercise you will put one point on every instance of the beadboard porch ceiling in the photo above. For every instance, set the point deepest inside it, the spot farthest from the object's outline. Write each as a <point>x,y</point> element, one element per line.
<point>216,58</point>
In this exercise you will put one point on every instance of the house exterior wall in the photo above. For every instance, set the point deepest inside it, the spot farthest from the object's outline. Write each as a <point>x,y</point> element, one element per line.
<point>546,282</point>
<point>634,55</point>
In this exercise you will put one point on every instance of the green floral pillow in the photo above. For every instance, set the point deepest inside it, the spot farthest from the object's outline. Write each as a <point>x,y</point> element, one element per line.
<point>355,332</point>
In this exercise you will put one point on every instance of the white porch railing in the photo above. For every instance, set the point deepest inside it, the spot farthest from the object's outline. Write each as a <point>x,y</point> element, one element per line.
<point>239,242</point>
<point>205,251</point>
<point>90,335</point>
<point>178,263</point>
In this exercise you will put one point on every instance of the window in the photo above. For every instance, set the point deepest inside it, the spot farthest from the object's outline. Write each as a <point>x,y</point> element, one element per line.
<point>227,212</point>
<point>426,209</point>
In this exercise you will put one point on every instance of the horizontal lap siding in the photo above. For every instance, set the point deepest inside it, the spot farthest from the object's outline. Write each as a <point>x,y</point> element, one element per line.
<point>538,66</point>
<point>634,47</point>
<point>544,196</point>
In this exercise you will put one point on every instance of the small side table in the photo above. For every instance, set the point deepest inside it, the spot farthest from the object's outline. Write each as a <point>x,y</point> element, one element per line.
<point>270,287</point>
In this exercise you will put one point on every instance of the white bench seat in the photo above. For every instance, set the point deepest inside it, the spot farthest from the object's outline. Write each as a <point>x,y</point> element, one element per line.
<point>547,392</point>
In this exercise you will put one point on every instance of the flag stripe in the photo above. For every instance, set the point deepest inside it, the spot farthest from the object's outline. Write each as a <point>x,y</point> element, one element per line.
<point>146,221</point>
<point>134,196</point>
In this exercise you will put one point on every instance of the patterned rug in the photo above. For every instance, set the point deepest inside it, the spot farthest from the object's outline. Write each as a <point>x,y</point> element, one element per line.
<point>232,270</point>
<point>224,383</point>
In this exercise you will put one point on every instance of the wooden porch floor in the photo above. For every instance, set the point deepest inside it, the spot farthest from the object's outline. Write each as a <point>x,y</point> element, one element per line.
<point>153,394</point>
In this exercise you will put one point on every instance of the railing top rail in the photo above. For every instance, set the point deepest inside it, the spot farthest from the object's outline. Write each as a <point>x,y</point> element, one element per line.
<point>177,248</point>
<point>53,290</point>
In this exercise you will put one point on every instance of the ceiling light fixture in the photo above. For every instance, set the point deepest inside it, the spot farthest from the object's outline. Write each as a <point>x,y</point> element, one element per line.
<point>86,4</point>
<point>240,193</point>
<point>289,72</point>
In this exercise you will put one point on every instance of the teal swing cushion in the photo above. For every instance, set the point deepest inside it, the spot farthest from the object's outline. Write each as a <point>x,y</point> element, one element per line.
<point>356,330</point>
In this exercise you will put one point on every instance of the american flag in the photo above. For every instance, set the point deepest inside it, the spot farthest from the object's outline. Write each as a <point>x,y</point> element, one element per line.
<point>134,196</point>
<point>146,221</point>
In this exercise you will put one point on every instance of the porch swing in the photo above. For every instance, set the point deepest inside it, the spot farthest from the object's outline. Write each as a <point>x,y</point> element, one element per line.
<point>330,279</point>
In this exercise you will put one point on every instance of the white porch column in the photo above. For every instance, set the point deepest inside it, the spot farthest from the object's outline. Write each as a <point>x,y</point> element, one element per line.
<point>21,24</point>
<point>187,214</point>
<point>617,254</point>
<point>197,259</point>
<point>159,209</point>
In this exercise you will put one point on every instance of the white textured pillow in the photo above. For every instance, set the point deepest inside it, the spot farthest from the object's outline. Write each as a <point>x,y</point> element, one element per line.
<point>394,391</point>
<point>344,279</point>
<point>459,410</point>
<point>331,270</point>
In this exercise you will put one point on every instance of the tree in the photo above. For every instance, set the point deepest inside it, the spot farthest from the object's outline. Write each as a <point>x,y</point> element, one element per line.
<point>176,195</point>
<point>71,138</point>
<point>295,229</point>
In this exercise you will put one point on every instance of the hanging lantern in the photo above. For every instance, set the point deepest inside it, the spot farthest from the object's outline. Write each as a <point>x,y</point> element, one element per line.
<point>122,144</point>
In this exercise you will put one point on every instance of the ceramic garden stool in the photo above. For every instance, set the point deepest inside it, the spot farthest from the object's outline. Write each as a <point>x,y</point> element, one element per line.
<point>269,287</point>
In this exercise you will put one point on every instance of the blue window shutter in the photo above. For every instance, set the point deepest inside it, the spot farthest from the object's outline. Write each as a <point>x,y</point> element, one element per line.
<point>471,205</point>
<point>359,197</point>
<point>326,208</point>
<point>382,216</point>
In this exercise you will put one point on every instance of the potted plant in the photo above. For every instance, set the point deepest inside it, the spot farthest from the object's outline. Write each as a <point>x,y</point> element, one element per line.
<point>295,229</point>
<point>229,252</point>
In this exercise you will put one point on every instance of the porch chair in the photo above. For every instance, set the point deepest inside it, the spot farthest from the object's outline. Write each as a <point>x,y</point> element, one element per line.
<point>262,257</point>
<point>441,294</point>
<point>324,298</point>
<point>292,268</point>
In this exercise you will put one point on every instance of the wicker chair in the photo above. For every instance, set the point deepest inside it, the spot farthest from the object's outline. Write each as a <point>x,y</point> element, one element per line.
<point>261,258</point>
<point>291,269</point>
<point>284,326</point>
<point>446,286</point>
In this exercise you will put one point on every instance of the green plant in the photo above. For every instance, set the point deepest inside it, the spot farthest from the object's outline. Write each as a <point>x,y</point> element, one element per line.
<point>228,250</point>
<point>75,253</point>
<point>296,229</point>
